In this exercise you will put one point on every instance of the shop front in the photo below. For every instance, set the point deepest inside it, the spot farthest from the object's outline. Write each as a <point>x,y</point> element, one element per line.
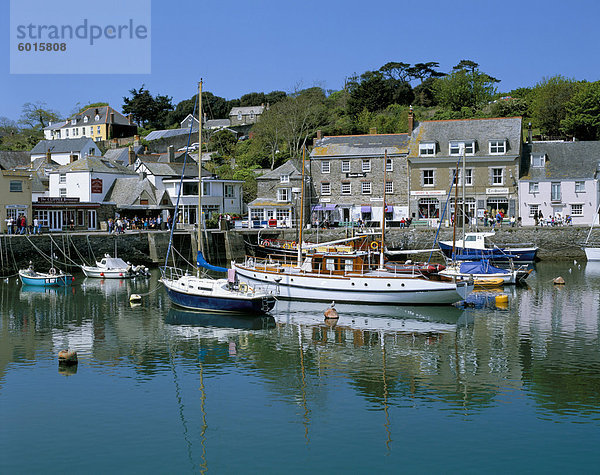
<point>65,214</point>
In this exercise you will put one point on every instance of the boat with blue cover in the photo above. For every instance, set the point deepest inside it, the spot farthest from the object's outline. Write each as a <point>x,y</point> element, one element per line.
<point>483,271</point>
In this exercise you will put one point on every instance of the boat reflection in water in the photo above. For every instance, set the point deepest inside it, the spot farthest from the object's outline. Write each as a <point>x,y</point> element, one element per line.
<point>403,319</point>
<point>178,316</point>
<point>29,292</point>
<point>112,287</point>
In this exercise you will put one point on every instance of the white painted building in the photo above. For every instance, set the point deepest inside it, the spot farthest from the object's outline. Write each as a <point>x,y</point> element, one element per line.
<point>218,197</point>
<point>65,151</point>
<point>560,180</point>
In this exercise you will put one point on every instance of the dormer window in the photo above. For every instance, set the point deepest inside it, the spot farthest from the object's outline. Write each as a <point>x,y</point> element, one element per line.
<point>426,149</point>
<point>251,114</point>
<point>85,119</point>
<point>538,160</point>
<point>284,179</point>
<point>497,147</point>
<point>240,115</point>
<point>97,118</point>
<point>455,147</point>
<point>73,121</point>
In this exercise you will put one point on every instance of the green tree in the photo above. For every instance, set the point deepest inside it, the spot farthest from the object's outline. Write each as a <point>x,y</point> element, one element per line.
<point>222,141</point>
<point>582,118</point>
<point>36,115</point>
<point>147,110</point>
<point>549,104</point>
<point>464,87</point>
<point>252,99</point>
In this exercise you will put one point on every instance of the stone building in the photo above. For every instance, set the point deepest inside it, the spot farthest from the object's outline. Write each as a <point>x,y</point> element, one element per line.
<point>278,198</point>
<point>348,178</point>
<point>492,150</point>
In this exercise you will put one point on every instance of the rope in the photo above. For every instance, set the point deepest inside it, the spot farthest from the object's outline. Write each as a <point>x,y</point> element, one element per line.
<point>64,254</point>
<point>50,260</point>
<point>90,248</point>
<point>77,251</point>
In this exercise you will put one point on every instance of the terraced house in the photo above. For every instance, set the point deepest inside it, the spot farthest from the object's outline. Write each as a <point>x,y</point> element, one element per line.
<point>492,151</point>
<point>348,178</point>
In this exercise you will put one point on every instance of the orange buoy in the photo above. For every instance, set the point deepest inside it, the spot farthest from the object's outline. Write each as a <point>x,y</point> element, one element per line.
<point>331,312</point>
<point>67,357</point>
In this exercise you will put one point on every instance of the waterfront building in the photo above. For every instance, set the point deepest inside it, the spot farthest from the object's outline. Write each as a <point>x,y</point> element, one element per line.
<point>347,177</point>
<point>560,180</point>
<point>492,149</point>
<point>278,197</point>
<point>76,194</point>
<point>15,196</point>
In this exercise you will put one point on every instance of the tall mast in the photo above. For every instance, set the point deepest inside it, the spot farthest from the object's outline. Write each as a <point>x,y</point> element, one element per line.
<point>381,249</point>
<point>301,223</point>
<point>464,182</point>
<point>199,218</point>
<point>455,209</point>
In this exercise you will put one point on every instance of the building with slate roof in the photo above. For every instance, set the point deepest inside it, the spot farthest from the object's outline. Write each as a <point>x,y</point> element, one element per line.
<point>278,197</point>
<point>348,178</point>
<point>40,176</point>
<point>124,155</point>
<point>97,123</point>
<point>76,193</point>
<point>136,196</point>
<point>12,160</point>
<point>64,151</point>
<point>15,196</point>
<point>239,116</point>
<point>492,157</point>
<point>560,179</point>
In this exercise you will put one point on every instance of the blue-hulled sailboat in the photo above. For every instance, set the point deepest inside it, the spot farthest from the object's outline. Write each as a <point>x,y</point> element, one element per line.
<point>205,294</point>
<point>53,278</point>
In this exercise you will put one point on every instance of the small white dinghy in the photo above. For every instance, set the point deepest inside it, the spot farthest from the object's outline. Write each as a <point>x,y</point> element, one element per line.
<point>114,268</point>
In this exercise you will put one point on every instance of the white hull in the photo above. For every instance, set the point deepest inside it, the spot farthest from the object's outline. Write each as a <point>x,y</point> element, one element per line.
<point>99,273</point>
<point>592,253</point>
<point>508,278</point>
<point>380,288</point>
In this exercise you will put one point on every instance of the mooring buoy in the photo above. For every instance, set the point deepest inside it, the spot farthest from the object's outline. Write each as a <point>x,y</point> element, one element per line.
<point>559,281</point>
<point>331,312</point>
<point>135,298</point>
<point>67,357</point>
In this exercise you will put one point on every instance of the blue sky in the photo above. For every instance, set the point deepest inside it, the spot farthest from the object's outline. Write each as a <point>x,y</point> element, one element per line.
<point>240,46</point>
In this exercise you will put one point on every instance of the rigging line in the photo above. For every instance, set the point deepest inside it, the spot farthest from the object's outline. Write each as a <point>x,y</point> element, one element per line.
<point>176,211</point>
<point>90,248</point>
<point>13,255</point>
<point>64,253</point>
<point>45,256</point>
<point>77,251</point>
<point>444,213</point>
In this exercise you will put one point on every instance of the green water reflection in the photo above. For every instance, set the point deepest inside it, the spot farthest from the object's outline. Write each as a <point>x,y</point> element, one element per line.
<point>154,380</point>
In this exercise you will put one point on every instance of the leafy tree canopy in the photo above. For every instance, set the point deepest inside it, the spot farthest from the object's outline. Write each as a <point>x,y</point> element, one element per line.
<point>36,115</point>
<point>147,110</point>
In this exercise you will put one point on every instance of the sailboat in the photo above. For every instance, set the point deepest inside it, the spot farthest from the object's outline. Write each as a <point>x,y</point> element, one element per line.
<point>348,277</point>
<point>53,278</point>
<point>203,293</point>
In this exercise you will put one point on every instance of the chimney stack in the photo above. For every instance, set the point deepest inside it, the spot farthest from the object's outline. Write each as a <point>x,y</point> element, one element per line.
<point>529,138</point>
<point>112,117</point>
<point>373,131</point>
<point>130,117</point>
<point>319,134</point>
<point>411,120</point>
<point>136,140</point>
<point>48,155</point>
<point>171,151</point>
<point>72,157</point>
<point>131,155</point>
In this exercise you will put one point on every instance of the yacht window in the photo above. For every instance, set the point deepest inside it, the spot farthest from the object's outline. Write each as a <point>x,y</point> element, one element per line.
<point>329,264</point>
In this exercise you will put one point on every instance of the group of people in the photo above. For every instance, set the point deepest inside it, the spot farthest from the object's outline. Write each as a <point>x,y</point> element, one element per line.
<point>19,225</point>
<point>554,220</point>
<point>119,224</point>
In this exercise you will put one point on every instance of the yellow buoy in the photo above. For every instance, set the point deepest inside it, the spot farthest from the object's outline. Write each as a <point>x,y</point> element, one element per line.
<point>501,301</point>
<point>135,298</point>
<point>559,281</point>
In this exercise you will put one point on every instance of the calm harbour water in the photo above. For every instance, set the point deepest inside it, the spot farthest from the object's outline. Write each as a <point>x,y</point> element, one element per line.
<point>417,390</point>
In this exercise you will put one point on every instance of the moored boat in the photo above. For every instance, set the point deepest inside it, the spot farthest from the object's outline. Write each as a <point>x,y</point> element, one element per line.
<point>114,268</point>
<point>347,278</point>
<point>475,246</point>
<point>482,271</point>
<point>215,295</point>
<point>52,278</point>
